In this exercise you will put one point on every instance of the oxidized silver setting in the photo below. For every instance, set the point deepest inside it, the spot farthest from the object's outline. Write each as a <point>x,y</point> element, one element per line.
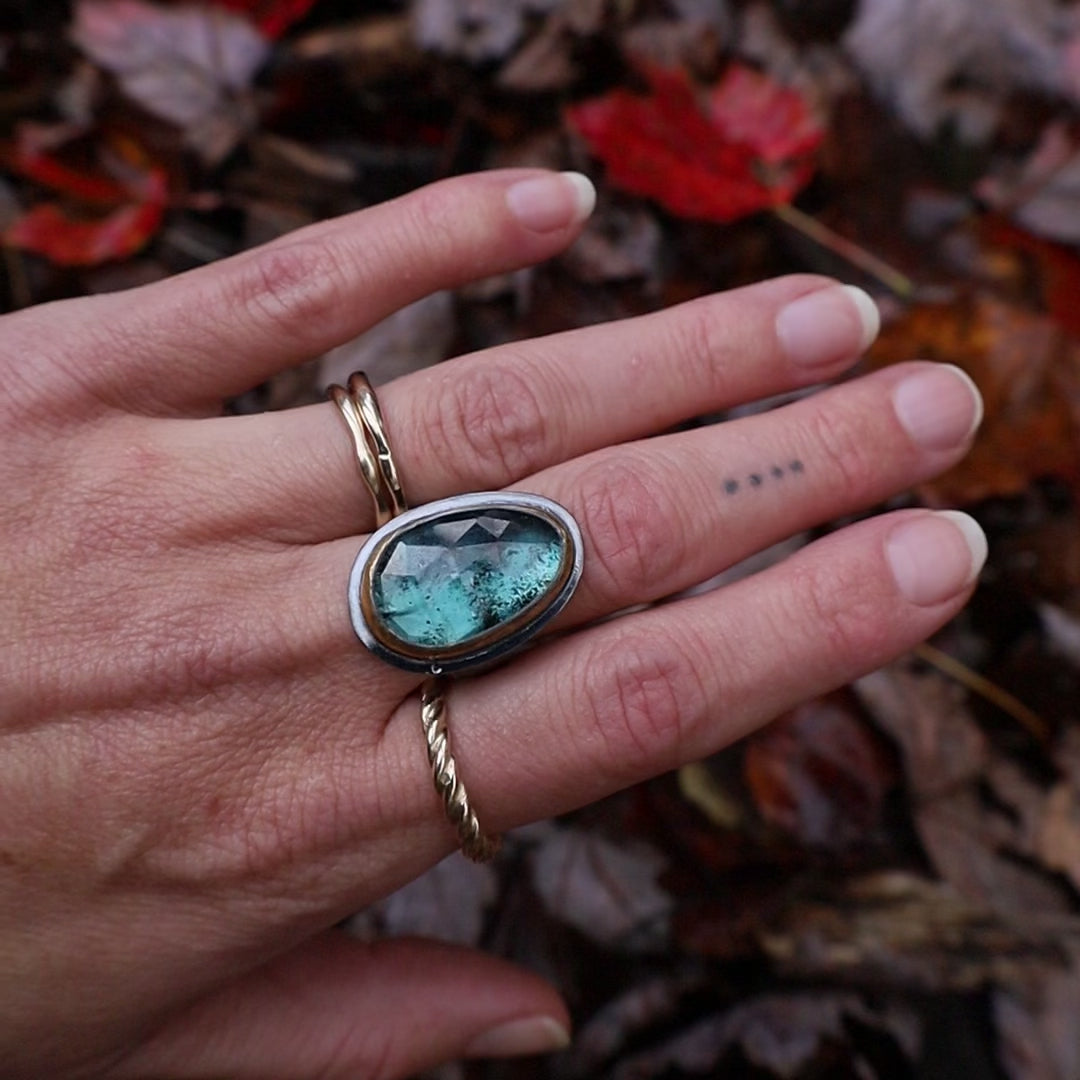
<point>484,649</point>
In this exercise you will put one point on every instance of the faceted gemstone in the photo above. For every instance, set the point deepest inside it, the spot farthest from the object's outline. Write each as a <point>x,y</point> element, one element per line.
<point>442,582</point>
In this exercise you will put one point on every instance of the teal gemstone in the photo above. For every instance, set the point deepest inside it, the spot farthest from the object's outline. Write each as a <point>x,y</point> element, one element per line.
<point>440,583</point>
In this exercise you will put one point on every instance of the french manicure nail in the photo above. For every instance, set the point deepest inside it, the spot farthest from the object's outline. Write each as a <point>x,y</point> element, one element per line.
<point>824,327</point>
<point>551,202</point>
<point>934,556</point>
<point>516,1038</point>
<point>940,408</point>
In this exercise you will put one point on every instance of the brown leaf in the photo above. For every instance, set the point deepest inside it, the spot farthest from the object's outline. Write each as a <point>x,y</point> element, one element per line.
<point>1037,1029</point>
<point>608,891</point>
<point>1025,366</point>
<point>900,930</point>
<point>940,742</point>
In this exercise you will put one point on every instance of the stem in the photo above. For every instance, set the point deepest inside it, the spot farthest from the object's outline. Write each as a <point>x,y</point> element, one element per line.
<point>847,249</point>
<point>1034,724</point>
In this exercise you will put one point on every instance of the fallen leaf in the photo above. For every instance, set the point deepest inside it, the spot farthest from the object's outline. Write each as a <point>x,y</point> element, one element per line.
<point>1026,366</point>
<point>624,1018</point>
<point>608,891</point>
<point>448,903</point>
<point>820,773</point>
<point>34,163</point>
<point>898,930</point>
<point>1036,1025</point>
<point>954,62</point>
<point>476,30</point>
<point>414,337</point>
<point>272,17</point>
<point>191,65</point>
<point>788,1035</point>
<point>942,746</point>
<point>743,146</point>
<point>54,232</point>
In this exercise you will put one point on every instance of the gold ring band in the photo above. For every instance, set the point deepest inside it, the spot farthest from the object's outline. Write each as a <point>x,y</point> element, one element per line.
<point>360,410</point>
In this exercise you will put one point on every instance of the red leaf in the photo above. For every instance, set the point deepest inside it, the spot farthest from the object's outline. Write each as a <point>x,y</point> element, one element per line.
<point>747,147</point>
<point>272,17</point>
<point>51,231</point>
<point>47,170</point>
<point>820,773</point>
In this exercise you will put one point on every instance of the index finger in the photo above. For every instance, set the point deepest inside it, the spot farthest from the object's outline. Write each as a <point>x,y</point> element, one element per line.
<point>222,329</point>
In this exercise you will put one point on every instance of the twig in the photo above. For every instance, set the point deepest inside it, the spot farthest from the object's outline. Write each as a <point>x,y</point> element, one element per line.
<point>1034,724</point>
<point>847,249</point>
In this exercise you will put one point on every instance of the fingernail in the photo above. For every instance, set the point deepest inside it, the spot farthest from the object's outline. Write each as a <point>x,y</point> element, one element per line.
<point>940,408</point>
<point>532,1035</point>
<point>824,327</point>
<point>934,556</point>
<point>551,202</point>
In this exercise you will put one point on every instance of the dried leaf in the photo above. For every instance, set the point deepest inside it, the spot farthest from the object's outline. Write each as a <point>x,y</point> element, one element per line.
<point>476,30</point>
<point>784,1034</point>
<point>52,231</point>
<point>414,337</point>
<point>623,1019</point>
<point>607,891</point>
<point>746,145</point>
<point>1036,1025</point>
<point>272,17</point>
<point>941,744</point>
<point>895,929</point>
<point>191,65</point>
<point>448,903</point>
<point>1025,367</point>
<point>819,773</point>
<point>954,62</point>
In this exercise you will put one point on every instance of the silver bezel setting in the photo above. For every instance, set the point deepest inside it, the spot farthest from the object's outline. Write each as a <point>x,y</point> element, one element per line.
<point>493,647</point>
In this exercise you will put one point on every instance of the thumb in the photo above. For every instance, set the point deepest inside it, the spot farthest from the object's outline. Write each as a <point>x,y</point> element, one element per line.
<point>338,1007</point>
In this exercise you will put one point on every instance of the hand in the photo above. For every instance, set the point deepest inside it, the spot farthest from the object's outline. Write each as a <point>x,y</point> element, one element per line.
<point>202,770</point>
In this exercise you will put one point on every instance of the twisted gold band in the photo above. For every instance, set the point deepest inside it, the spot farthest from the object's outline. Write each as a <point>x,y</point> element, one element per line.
<point>360,409</point>
<point>474,843</point>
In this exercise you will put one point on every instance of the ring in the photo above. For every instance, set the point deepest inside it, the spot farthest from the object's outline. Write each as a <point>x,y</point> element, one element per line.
<point>456,585</point>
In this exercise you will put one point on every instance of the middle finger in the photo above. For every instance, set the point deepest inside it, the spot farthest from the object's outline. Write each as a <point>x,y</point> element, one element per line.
<point>661,515</point>
<point>490,420</point>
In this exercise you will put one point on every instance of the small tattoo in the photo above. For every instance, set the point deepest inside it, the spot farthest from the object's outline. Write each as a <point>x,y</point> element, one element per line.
<point>756,479</point>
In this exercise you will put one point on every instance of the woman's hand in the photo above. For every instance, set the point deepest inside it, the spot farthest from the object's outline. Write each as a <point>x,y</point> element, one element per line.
<point>202,770</point>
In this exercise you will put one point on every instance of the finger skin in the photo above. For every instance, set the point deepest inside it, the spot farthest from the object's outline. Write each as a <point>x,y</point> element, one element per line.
<point>339,1009</point>
<point>185,344</point>
<point>662,515</point>
<point>606,707</point>
<point>489,420</point>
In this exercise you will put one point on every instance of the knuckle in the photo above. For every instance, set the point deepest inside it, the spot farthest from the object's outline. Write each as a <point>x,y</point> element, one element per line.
<point>497,415</point>
<point>700,343</point>
<point>632,526</point>
<point>641,701</point>
<point>839,610</point>
<point>845,446</point>
<point>296,287</point>
<point>428,226</point>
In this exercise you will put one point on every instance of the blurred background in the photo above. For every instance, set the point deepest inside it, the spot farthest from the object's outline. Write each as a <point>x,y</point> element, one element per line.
<point>885,882</point>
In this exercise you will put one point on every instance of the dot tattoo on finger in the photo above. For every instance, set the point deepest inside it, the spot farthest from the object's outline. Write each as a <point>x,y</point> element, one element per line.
<point>757,479</point>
